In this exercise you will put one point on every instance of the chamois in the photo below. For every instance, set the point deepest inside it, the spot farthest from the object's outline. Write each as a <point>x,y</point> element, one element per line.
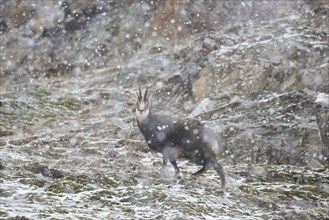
<point>179,139</point>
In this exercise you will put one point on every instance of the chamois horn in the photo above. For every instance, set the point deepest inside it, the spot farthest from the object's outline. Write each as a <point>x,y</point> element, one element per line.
<point>139,95</point>
<point>145,95</point>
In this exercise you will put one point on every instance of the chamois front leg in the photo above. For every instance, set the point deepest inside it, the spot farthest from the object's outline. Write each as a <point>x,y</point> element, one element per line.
<point>177,171</point>
<point>164,162</point>
<point>172,153</point>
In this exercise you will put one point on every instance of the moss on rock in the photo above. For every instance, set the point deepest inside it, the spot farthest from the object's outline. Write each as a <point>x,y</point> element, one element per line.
<point>33,182</point>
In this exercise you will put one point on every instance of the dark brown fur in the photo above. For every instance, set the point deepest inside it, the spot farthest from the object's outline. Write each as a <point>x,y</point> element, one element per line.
<point>181,139</point>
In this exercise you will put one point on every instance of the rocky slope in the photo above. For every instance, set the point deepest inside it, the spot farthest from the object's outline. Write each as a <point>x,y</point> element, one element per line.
<point>254,71</point>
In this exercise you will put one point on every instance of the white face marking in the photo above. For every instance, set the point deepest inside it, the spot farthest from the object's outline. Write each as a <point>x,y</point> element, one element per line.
<point>141,116</point>
<point>141,105</point>
<point>142,111</point>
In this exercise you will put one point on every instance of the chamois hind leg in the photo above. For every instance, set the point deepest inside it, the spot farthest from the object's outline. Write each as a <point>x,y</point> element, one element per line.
<point>220,170</point>
<point>202,170</point>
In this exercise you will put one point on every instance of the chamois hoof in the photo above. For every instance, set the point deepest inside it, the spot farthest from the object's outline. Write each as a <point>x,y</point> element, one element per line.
<point>179,177</point>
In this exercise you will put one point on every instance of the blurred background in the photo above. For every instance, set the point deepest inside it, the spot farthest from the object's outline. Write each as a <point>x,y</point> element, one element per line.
<point>254,71</point>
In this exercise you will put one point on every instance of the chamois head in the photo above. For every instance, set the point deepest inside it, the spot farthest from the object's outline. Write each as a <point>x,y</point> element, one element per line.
<point>142,105</point>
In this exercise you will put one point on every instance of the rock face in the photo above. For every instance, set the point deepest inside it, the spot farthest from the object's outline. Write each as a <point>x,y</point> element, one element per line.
<point>254,71</point>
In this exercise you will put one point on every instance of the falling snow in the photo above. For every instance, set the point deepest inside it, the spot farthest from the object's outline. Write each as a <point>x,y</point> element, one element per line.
<point>254,72</point>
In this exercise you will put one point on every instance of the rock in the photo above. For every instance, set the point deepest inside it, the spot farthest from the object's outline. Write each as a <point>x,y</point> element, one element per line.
<point>255,72</point>
<point>190,71</point>
<point>44,170</point>
<point>322,118</point>
<point>209,44</point>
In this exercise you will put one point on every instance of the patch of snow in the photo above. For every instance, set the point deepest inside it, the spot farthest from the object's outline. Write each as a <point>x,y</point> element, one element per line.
<point>322,98</point>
